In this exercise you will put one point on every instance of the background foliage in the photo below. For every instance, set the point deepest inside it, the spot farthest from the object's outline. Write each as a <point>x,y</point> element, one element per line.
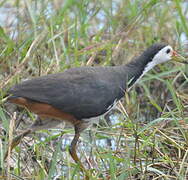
<point>147,137</point>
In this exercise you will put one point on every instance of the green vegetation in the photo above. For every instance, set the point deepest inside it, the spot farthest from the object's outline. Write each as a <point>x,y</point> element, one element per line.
<point>148,138</point>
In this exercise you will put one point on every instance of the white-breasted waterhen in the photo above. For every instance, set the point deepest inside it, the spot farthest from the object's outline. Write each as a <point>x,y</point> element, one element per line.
<point>78,94</point>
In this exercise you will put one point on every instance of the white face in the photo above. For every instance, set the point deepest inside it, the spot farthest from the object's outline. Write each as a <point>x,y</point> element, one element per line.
<point>163,55</point>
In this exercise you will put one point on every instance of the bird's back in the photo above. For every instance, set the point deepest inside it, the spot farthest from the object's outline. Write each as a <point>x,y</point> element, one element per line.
<point>82,92</point>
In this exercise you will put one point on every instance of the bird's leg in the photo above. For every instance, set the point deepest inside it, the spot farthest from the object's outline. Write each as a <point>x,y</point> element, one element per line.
<point>72,149</point>
<point>17,140</point>
<point>39,124</point>
<point>78,129</point>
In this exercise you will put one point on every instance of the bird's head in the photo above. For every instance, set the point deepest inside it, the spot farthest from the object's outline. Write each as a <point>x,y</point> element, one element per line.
<point>156,54</point>
<point>164,53</point>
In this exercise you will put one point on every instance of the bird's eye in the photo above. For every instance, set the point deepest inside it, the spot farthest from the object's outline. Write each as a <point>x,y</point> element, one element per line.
<point>168,51</point>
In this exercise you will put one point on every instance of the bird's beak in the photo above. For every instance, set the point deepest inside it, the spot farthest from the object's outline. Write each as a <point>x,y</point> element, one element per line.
<point>178,58</point>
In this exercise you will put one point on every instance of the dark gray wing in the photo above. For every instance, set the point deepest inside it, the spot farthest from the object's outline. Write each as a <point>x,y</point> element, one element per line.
<point>84,92</point>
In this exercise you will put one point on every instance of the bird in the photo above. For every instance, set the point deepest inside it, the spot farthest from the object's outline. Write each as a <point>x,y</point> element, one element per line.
<point>78,95</point>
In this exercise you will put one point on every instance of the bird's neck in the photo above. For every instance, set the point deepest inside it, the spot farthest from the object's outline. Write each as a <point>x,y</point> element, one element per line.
<point>136,69</point>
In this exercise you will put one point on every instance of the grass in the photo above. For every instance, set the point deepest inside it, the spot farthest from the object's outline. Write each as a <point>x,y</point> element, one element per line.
<point>148,139</point>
